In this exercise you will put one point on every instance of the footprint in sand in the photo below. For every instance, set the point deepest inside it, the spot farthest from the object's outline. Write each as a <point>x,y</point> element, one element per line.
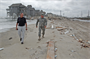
<point>31,30</point>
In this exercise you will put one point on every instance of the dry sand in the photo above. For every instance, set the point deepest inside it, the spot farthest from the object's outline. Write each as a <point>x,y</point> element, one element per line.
<point>67,46</point>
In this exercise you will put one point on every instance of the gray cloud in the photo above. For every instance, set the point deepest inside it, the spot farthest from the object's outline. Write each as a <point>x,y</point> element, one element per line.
<point>67,9</point>
<point>50,0</point>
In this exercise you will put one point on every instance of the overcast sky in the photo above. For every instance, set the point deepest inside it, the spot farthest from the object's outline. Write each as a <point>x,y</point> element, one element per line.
<point>70,8</point>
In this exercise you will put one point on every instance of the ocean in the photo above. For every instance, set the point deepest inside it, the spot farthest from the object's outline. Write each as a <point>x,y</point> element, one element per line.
<point>6,24</point>
<point>81,20</point>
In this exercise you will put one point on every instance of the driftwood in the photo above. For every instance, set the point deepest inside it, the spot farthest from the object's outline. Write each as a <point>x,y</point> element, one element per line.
<point>50,51</point>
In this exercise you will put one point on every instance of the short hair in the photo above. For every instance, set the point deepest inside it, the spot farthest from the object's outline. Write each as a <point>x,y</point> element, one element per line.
<point>21,13</point>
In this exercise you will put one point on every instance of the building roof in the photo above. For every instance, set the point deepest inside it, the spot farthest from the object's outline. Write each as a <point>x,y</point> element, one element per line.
<point>49,13</point>
<point>18,4</point>
<point>29,6</point>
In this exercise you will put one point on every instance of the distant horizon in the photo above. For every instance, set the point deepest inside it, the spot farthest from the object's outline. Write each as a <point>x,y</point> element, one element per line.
<point>65,16</point>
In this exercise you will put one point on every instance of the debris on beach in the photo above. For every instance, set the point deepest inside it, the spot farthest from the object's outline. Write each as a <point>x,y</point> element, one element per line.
<point>52,27</point>
<point>1,49</point>
<point>55,56</point>
<point>55,49</point>
<point>66,32</point>
<point>39,47</point>
<point>10,38</point>
<point>70,29</point>
<point>61,28</point>
<point>58,27</point>
<point>73,51</point>
<point>85,45</point>
<point>71,35</point>
<point>88,42</point>
<point>26,48</point>
<point>81,41</point>
<point>74,37</point>
<point>47,41</point>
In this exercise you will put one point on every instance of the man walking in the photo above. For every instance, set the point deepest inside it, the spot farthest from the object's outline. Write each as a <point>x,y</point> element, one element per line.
<point>42,25</point>
<point>21,22</point>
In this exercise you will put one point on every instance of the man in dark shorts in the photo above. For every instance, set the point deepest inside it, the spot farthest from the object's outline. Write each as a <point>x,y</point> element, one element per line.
<point>21,22</point>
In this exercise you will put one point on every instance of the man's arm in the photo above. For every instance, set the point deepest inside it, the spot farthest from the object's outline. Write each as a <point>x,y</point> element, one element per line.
<point>26,25</point>
<point>17,23</point>
<point>46,22</point>
<point>37,22</point>
<point>16,26</point>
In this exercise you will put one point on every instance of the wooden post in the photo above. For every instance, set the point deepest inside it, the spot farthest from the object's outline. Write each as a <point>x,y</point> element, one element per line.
<point>50,51</point>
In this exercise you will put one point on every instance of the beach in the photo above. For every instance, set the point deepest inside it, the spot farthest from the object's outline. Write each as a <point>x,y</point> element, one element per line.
<point>67,46</point>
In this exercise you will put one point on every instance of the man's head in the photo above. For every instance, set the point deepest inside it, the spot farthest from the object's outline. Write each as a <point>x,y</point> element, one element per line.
<point>42,15</point>
<point>21,15</point>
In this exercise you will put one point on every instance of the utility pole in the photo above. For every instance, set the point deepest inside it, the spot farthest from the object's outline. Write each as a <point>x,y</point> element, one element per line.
<point>81,13</point>
<point>60,12</point>
<point>88,13</point>
<point>63,14</point>
<point>77,16</point>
